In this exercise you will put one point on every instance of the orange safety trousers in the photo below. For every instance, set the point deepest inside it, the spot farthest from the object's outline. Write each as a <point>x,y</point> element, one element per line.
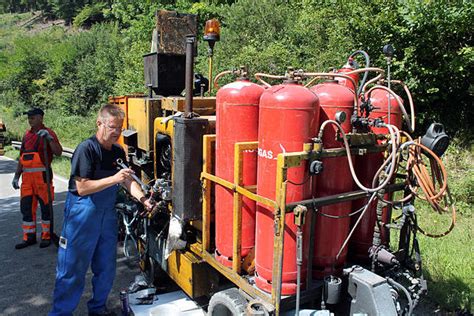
<point>34,189</point>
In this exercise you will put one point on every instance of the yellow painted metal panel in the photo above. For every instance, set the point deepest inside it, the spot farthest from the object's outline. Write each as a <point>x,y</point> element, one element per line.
<point>208,140</point>
<point>195,277</point>
<point>121,102</point>
<point>141,115</point>
<point>162,126</point>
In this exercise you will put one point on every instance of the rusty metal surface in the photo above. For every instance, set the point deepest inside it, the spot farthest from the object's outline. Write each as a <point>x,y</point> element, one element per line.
<point>172,28</point>
<point>201,105</point>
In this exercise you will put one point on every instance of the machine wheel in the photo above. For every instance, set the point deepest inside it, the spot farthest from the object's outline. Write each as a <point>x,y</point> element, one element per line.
<point>228,302</point>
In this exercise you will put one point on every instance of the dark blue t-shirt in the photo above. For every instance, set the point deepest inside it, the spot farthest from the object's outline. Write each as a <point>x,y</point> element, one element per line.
<point>91,161</point>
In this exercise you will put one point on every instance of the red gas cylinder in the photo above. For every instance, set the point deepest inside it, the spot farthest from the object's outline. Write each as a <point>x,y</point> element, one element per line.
<point>366,167</point>
<point>379,100</point>
<point>236,121</point>
<point>289,116</point>
<point>348,67</point>
<point>330,233</point>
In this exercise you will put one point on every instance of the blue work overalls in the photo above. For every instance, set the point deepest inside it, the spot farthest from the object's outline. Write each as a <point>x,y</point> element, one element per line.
<point>89,237</point>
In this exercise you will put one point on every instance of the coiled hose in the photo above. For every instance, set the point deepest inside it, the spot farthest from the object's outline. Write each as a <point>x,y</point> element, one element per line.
<point>432,193</point>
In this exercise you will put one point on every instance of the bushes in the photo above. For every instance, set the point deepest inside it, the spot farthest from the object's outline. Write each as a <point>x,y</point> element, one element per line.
<point>73,72</point>
<point>433,43</point>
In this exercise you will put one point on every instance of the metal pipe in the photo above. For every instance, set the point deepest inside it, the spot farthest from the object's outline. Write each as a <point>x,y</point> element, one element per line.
<point>299,263</point>
<point>188,110</point>
<point>210,74</point>
<point>216,79</point>
<point>389,87</point>
<point>410,101</point>
<point>339,198</point>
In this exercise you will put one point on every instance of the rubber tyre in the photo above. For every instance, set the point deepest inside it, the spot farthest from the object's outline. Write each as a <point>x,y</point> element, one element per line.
<point>228,302</point>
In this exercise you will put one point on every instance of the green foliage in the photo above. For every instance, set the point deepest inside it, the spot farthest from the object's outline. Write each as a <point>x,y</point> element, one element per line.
<point>251,33</point>
<point>459,162</point>
<point>24,63</point>
<point>448,260</point>
<point>138,22</point>
<point>90,14</point>
<point>131,79</point>
<point>69,71</point>
<point>433,42</point>
<point>95,74</point>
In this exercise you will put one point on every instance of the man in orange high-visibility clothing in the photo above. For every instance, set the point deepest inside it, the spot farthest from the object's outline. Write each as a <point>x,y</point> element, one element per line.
<point>34,185</point>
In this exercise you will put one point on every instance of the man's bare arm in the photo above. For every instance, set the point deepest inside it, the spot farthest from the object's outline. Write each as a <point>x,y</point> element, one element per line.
<point>87,186</point>
<point>135,190</point>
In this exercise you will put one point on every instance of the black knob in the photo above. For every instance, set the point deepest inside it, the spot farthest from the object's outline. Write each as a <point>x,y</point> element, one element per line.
<point>388,50</point>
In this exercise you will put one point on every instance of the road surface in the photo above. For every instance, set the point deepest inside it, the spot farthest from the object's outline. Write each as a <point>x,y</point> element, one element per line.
<point>27,275</point>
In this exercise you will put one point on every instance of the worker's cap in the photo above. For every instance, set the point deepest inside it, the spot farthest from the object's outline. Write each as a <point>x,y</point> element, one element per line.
<point>34,111</point>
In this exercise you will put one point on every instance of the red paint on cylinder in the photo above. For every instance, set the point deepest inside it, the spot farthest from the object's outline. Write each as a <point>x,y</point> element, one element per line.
<point>348,67</point>
<point>379,100</point>
<point>330,233</point>
<point>236,121</point>
<point>366,167</point>
<point>289,116</point>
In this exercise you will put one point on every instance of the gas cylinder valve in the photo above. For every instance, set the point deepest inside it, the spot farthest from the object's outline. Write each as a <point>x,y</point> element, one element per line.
<point>378,122</point>
<point>242,73</point>
<point>294,75</point>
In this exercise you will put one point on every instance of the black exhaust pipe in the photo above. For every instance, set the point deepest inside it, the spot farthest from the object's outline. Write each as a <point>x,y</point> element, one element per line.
<point>188,110</point>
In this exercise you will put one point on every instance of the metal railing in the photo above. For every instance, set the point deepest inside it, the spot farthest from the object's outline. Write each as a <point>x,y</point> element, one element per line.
<point>67,152</point>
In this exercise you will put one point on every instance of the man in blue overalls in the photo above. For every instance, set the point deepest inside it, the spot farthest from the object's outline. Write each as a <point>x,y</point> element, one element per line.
<point>89,235</point>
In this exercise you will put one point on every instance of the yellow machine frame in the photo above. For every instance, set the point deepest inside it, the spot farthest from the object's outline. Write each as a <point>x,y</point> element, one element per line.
<point>185,268</point>
<point>279,205</point>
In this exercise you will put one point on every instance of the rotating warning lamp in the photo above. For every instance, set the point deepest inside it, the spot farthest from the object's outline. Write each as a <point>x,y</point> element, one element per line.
<point>212,31</point>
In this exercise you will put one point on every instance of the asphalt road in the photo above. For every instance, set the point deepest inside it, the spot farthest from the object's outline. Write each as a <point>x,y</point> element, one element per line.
<point>27,275</point>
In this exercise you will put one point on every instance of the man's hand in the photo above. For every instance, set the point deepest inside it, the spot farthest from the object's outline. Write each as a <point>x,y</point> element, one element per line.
<point>123,176</point>
<point>15,182</point>
<point>148,205</point>
<point>45,134</point>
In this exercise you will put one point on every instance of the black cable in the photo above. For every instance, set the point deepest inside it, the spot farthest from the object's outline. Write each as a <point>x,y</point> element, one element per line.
<point>367,65</point>
<point>302,183</point>
<point>316,211</point>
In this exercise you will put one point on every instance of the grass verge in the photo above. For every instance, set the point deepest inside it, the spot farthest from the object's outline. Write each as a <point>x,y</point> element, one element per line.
<point>61,165</point>
<point>448,261</point>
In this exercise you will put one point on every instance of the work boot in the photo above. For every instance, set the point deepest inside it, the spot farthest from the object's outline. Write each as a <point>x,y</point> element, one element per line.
<point>25,243</point>
<point>45,243</point>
